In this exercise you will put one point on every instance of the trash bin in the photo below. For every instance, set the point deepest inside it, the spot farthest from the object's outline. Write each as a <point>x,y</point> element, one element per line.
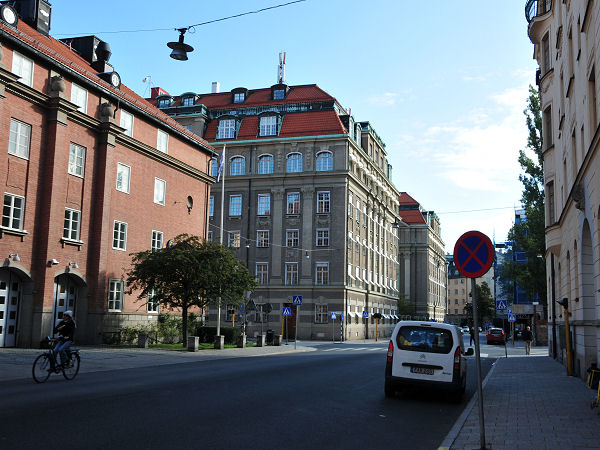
<point>270,334</point>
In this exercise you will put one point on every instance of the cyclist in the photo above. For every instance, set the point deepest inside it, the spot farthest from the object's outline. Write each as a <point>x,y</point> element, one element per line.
<point>65,329</point>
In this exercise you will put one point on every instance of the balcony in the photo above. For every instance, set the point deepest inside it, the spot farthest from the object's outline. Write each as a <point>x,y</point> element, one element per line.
<point>536,8</point>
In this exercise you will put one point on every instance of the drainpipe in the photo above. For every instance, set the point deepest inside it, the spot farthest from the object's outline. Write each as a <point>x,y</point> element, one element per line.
<point>553,296</point>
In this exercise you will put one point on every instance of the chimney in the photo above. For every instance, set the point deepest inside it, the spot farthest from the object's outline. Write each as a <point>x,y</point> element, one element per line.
<point>156,91</point>
<point>216,87</point>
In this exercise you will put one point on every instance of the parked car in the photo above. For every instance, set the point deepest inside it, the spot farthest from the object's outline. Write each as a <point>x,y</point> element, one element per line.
<point>494,335</point>
<point>465,330</point>
<point>428,355</point>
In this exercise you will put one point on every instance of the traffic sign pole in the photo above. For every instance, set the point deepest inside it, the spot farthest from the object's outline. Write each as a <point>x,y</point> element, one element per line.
<point>296,331</point>
<point>478,362</point>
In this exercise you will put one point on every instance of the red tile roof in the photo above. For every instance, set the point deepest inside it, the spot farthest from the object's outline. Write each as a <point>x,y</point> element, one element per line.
<point>63,54</point>
<point>413,217</point>
<point>406,199</point>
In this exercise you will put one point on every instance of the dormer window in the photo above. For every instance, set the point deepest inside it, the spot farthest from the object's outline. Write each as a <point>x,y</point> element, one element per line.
<point>278,94</point>
<point>187,101</point>
<point>226,129</point>
<point>239,97</point>
<point>268,126</point>
<point>279,91</point>
<point>163,102</point>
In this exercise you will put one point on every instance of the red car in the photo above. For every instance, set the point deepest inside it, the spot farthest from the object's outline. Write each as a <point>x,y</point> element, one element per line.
<point>494,335</point>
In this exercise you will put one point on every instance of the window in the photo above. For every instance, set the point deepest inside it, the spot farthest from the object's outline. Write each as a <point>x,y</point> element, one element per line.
<point>162,141</point>
<point>322,237</point>
<point>23,67</point>
<point>79,96</point>
<point>235,205</point>
<point>237,165</point>
<point>164,102</point>
<point>324,161</point>
<point>547,127</point>
<point>12,212</point>
<point>115,295</point>
<point>160,187</point>
<point>278,94</point>
<point>262,238</point>
<point>265,164</point>
<point>350,212</point>
<point>211,206</point>
<point>292,238</point>
<point>18,141</point>
<point>127,122</point>
<point>264,204</point>
<point>294,163</point>
<point>321,315</point>
<point>262,273</point>
<point>209,237</point>
<point>268,126</point>
<point>293,203</point>
<point>550,197</point>
<point>119,235</point>
<point>239,97</point>
<point>234,239</point>
<point>123,173</point>
<point>153,302</point>
<point>76,159</point>
<point>72,224</point>
<point>214,167</point>
<point>187,101</point>
<point>157,240</point>
<point>226,129</point>
<point>323,202</point>
<point>545,54</point>
<point>291,274</point>
<point>322,273</point>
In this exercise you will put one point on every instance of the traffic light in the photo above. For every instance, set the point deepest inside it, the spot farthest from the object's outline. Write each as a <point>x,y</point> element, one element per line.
<point>564,302</point>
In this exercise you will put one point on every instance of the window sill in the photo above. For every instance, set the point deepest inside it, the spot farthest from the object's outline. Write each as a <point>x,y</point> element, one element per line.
<point>13,232</point>
<point>65,241</point>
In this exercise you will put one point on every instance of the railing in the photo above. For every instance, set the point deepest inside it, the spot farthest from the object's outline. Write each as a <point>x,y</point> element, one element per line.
<point>534,8</point>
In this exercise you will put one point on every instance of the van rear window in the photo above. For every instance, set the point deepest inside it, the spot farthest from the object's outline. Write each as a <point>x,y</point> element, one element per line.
<point>424,339</point>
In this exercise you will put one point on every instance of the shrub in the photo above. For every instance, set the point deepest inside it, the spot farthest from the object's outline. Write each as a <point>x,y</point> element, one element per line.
<point>207,334</point>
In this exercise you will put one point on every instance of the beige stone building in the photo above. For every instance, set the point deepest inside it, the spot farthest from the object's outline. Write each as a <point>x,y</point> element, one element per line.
<point>566,38</point>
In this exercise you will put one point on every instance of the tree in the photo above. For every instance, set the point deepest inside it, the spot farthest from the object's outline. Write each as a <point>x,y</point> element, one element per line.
<point>528,236</point>
<point>405,308</point>
<point>189,273</point>
<point>485,303</point>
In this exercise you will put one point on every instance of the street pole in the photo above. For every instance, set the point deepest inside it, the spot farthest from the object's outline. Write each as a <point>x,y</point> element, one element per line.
<point>296,331</point>
<point>223,170</point>
<point>478,364</point>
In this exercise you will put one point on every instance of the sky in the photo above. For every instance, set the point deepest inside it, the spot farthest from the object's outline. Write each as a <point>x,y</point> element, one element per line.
<point>443,83</point>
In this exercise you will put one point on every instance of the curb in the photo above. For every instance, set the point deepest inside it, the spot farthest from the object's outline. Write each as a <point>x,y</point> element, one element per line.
<point>455,430</point>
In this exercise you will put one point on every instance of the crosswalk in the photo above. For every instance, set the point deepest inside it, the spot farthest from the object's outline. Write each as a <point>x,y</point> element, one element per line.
<point>349,349</point>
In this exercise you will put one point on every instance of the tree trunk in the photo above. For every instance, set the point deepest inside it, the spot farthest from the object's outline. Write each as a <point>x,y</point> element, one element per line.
<point>184,325</point>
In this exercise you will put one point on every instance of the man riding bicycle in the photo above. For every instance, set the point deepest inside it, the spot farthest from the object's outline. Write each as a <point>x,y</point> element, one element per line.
<point>65,329</point>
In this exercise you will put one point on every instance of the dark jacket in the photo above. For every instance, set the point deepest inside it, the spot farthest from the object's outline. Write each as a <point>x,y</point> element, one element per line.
<point>527,335</point>
<point>65,330</point>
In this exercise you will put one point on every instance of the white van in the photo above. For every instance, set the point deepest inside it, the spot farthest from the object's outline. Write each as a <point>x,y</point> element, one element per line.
<point>426,354</point>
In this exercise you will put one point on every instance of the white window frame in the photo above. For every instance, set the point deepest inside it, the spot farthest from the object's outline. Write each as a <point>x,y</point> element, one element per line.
<point>293,199</point>
<point>289,237</point>
<point>76,160</point>
<point>211,206</point>
<point>265,164</point>
<point>162,141</point>
<point>23,67</point>
<point>79,96</point>
<point>321,273</point>
<point>157,240</point>
<point>237,166</point>
<point>19,140</point>
<point>278,94</point>
<point>322,237</point>
<point>214,167</point>
<point>126,121</point>
<point>187,100</point>
<point>264,205</point>
<point>116,292</point>
<point>234,239</point>
<point>239,97</point>
<point>123,168</point>
<point>8,221</point>
<point>323,202</point>
<point>72,224</point>
<point>235,205</point>
<point>119,235</point>
<point>262,277</point>
<point>160,187</point>
<point>324,161</point>
<point>294,162</point>
<point>226,129</point>
<point>268,126</point>
<point>291,274</point>
<point>321,313</point>
<point>263,238</point>
<point>152,306</point>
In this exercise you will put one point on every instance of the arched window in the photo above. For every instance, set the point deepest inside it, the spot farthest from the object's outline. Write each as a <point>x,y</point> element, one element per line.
<point>324,161</point>
<point>214,167</point>
<point>265,164</point>
<point>237,166</point>
<point>294,162</point>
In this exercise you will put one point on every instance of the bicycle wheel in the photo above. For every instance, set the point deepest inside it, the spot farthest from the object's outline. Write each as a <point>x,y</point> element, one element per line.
<point>41,368</point>
<point>72,368</point>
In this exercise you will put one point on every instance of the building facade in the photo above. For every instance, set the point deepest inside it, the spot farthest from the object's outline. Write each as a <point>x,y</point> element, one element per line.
<point>91,173</point>
<point>423,270</point>
<point>307,203</point>
<point>566,38</point>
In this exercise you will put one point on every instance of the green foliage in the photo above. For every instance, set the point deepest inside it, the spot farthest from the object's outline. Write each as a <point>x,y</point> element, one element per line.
<point>485,304</point>
<point>528,236</point>
<point>405,308</point>
<point>207,334</point>
<point>189,273</point>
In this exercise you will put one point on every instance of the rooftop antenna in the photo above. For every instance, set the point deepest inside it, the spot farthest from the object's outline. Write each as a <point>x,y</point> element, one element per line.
<point>147,79</point>
<point>281,68</point>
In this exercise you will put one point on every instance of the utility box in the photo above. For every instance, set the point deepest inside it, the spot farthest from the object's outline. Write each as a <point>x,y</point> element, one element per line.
<point>192,343</point>
<point>260,340</point>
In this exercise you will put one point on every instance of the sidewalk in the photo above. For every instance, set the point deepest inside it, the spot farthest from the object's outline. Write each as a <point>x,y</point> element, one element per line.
<point>16,363</point>
<point>529,403</point>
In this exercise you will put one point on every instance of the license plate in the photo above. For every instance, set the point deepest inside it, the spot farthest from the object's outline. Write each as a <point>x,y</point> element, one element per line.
<point>422,370</point>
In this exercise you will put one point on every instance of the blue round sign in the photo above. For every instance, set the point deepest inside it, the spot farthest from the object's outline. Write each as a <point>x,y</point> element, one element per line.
<point>473,254</point>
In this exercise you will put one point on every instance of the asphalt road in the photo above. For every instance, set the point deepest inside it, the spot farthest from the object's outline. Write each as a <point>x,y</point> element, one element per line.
<point>330,398</point>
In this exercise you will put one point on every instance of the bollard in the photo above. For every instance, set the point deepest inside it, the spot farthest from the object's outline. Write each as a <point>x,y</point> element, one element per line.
<point>219,342</point>
<point>241,342</point>
<point>192,343</point>
<point>260,340</point>
<point>277,339</point>
<point>142,340</point>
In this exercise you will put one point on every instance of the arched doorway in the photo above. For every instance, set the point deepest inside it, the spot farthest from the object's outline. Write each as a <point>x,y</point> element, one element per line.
<point>10,299</point>
<point>66,292</point>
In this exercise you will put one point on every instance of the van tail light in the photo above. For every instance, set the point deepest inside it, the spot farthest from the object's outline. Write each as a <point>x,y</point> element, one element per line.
<point>390,353</point>
<point>457,359</point>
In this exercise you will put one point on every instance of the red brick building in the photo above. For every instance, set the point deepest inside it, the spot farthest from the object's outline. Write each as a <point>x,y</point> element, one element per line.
<point>91,172</point>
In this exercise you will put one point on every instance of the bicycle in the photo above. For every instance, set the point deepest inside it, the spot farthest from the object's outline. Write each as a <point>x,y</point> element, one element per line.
<point>47,363</point>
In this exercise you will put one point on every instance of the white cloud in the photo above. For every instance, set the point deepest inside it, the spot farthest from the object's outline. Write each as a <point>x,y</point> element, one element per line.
<point>385,99</point>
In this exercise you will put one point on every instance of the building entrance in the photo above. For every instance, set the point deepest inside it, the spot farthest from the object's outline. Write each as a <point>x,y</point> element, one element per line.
<point>10,295</point>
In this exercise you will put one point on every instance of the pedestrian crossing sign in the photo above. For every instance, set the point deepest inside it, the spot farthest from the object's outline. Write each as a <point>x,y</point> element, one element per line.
<point>333,316</point>
<point>286,312</point>
<point>501,305</point>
